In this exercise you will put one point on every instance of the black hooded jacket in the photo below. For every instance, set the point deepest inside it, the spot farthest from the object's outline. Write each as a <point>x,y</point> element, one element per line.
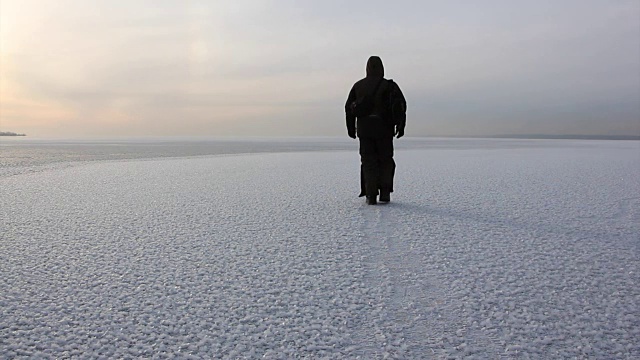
<point>379,123</point>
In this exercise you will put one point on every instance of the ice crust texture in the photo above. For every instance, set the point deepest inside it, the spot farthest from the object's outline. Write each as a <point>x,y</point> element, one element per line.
<point>526,252</point>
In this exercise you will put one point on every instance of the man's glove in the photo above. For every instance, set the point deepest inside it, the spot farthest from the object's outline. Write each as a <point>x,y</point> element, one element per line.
<point>352,133</point>
<point>399,132</point>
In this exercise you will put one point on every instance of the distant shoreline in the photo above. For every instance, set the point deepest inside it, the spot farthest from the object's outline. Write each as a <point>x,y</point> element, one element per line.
<point>563,137</point>
<point>507,136</point>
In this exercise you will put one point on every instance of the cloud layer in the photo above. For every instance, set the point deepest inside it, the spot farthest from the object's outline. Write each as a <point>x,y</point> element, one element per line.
<point>120,68</point>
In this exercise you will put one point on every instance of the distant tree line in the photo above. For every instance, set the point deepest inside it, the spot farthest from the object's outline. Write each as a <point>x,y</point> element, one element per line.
<point>9,133</point>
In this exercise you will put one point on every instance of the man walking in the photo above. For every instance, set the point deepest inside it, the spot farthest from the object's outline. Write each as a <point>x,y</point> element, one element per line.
<point>375,112</point>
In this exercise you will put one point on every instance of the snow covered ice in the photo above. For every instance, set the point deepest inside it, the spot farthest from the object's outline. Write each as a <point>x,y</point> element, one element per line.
<point>488,249</point>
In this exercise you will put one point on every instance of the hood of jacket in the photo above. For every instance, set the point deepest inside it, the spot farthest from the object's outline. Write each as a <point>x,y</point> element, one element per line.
<point>375,67</point>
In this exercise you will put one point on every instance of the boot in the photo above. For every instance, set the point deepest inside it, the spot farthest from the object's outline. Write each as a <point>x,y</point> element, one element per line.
<point>385,196</point>
<point>371,200</point>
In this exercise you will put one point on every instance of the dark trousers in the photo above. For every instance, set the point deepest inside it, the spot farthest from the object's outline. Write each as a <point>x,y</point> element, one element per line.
<point>377,165</point>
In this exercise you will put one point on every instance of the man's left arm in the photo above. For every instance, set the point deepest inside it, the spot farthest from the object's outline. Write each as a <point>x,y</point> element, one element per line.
<point>351,119</point>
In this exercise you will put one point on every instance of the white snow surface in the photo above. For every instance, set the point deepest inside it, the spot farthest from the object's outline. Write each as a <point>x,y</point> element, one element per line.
<point>528,252</point>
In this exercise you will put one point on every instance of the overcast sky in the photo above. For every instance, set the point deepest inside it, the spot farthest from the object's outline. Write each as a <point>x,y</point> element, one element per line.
<point>242,68</point>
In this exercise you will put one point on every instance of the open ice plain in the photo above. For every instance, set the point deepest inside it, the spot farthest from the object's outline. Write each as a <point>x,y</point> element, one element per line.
<point>489,249</point>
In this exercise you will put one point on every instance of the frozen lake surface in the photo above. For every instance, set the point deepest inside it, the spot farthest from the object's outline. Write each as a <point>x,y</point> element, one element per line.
<point>489,248</point>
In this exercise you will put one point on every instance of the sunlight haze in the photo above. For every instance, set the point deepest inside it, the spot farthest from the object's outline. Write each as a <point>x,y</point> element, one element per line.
<point>74,68</point>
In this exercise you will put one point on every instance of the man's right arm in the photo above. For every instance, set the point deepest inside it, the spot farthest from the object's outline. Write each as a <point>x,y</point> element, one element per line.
<point>401,114</point>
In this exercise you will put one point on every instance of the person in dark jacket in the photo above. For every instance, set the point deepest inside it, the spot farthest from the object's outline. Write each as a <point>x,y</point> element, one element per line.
<point>376,129</point>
